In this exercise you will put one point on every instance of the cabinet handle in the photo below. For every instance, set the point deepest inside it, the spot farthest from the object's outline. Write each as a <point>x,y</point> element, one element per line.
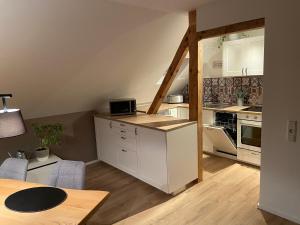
<point>123,138</point>
<point>243,71</point>
<point>123,131</point>
<point>123,150</point>
<point>135,131</point>
<point>122,125</point>
<point>110,124</point>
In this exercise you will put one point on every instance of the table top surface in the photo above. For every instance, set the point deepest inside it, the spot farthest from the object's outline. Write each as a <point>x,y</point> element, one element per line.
<point>76,209</point>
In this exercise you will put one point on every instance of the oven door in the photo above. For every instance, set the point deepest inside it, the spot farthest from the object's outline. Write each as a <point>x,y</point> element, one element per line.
<point>249,135</point>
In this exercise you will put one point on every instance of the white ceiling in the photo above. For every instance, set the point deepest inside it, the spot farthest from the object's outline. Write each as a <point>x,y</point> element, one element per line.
<point>166,5</point>
<point>63,56</point>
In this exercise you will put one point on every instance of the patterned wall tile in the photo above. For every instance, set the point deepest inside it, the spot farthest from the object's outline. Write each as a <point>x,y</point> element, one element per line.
<point>254,82</point>
<point>222,82</point>
<point>207,82</point>
<point>237,82</point>
<point>260,81</point>
<point>215,82</point>
<point>246,81</point>
<point>223,90</point>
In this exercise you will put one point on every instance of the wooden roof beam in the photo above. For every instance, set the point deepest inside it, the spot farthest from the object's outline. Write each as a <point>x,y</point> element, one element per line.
<point>171,74</point>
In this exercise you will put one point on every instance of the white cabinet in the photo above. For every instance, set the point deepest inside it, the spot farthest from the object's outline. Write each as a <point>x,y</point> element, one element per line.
<point>208,119</point>
<point>173,112</point>
<point>127,160</point>
<point>108,149</point>
<point>177,112</point>
<point>183,113</point>
<point>152,157</point>
<point>243,56</point>
<point>166,160</point>
<point>249,156</point>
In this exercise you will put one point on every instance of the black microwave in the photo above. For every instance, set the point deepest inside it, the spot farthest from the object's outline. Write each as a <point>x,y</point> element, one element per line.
<point>122,106</point>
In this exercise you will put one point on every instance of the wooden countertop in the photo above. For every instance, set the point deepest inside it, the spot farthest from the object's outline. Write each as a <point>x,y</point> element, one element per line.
<point>165,106</point>
<point>76,209</point>
<point>155,121</point>
<point>234,109</point>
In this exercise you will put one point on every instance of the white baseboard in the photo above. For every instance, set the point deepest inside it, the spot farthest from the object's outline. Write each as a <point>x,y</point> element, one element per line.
<point>281,214</point>
<point>92,162</point>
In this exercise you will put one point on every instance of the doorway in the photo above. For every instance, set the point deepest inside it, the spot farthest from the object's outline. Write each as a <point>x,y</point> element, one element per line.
<point>230,65</point>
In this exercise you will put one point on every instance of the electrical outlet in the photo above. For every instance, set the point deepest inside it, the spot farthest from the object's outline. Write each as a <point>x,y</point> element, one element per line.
<point>292,130</point>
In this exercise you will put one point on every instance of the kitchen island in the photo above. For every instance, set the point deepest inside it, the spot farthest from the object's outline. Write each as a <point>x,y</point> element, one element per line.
<point>159,150</point>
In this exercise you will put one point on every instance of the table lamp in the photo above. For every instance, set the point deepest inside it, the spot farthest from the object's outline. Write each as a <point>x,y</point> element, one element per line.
<point>11,120</point>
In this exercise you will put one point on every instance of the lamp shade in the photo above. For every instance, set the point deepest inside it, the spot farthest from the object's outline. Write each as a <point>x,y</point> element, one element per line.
<point>11,123</point>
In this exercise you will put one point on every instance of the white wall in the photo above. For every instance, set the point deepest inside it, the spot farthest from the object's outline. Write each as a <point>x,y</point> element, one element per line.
<point>64,56</point>
<point>280,180</point>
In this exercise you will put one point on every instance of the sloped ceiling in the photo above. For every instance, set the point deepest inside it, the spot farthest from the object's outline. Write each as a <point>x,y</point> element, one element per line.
<point>166,5</point>
<point>63,56</point>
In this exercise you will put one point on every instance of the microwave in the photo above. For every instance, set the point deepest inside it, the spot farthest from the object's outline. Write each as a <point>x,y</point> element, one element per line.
<point>122,106</point>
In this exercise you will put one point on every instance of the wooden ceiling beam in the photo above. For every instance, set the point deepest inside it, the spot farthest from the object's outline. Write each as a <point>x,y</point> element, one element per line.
<point>171,74</point>
<point>237,27</point>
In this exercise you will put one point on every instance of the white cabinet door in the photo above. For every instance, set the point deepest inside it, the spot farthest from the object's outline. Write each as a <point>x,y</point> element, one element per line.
<point>107,141</point>
<point>243,57</point>
<point>164,112</point>
<point>183,113</point>
<point>254,56</point>
<point>152,157</point>
<point>173,112</point>
<point>233,63</point>
<point>127,160</point>
<point>208,119</point>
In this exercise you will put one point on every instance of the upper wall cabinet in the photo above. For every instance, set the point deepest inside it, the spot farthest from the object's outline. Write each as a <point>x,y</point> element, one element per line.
<point>243,57</point>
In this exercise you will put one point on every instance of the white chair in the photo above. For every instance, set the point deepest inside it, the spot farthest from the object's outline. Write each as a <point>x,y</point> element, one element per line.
<point>13,168</point>
<point>68,174</point>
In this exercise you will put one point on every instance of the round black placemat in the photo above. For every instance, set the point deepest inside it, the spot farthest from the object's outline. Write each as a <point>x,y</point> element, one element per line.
<point>35,199</point>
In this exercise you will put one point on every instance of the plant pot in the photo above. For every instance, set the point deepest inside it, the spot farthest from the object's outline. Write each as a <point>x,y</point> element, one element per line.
<point>42,154</point>
<point>240,101</point>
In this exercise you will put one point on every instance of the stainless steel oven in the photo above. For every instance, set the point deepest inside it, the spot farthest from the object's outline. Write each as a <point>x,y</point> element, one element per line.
<point>249,131</point>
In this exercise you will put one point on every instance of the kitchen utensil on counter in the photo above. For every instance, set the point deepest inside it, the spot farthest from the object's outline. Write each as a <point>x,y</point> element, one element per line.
<point>173,99</point>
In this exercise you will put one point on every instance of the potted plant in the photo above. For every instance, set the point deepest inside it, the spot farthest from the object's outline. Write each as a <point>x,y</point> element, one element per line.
<point>240,94</point>
<point>49,134</point>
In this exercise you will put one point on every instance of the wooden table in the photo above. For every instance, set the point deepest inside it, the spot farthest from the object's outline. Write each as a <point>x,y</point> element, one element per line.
<point>76,209</point>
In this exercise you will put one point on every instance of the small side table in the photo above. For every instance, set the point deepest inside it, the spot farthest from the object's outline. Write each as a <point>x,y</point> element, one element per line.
<point>39,172</point>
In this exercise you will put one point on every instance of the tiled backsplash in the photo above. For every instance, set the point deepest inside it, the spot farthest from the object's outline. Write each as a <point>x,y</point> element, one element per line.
<point>223,90</point>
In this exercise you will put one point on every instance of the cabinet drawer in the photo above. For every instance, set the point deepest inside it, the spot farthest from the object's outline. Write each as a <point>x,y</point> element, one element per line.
<point>123,126</point>
<point>128,142</point>
<point>123,132</point>
<point>249,156</point>
<point>127,160</point>
<point>246,116</point>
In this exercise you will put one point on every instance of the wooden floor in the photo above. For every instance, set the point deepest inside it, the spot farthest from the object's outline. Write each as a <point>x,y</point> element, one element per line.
<point>227,196</point>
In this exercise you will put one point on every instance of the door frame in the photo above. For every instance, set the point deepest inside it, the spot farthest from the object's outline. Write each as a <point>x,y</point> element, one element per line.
<point>197,84</point>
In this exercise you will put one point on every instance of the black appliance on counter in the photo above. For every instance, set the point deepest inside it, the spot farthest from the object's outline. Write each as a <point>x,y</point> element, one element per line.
<point>125,106</point>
